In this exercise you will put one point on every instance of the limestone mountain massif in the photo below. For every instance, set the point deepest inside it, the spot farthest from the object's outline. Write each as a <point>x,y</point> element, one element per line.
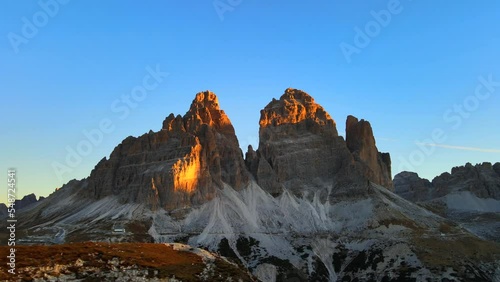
<point>305,205</point>
<point>300,149</point>
<point>191,157</point>
<point>181,165</point>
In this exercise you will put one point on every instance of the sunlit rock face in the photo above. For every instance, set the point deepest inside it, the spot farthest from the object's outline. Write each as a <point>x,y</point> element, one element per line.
<point>187,170</point>
<point>180,166</point>
<point>297,108</point>
<point>301,151</point>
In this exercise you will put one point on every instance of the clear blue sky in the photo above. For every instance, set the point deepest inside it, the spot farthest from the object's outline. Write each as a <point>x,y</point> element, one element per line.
<point>405,81</point>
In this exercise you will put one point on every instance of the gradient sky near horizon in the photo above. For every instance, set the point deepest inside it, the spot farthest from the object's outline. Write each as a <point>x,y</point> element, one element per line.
<point>409,77</point>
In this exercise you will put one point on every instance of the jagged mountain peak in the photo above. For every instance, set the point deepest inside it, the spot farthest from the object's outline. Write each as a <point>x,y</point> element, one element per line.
<point>470,195</point>
<point>294,107</point>
<point>296,94</point>
<point>482,180</point>
<point>27,201</point>
<point>205,99</point>
<point>205,109</point>
<point>180,166</point>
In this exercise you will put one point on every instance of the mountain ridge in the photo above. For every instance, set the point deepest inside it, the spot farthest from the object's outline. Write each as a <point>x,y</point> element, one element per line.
<point>468,195</point>
<point>306,204</point>
<point>185,162</point>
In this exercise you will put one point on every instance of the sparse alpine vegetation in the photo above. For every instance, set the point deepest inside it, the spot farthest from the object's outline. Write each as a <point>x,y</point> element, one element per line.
<point>120,262</point>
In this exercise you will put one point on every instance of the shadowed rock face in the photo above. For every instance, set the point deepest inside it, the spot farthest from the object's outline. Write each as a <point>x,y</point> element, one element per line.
<point>300,150</point>
<point>361,143</point>
<point>482,180</point>
<point>469,195</point>
<point>181,165</point>
<point>25,202</point>
<point>496,168</point>
<point>410,186</point>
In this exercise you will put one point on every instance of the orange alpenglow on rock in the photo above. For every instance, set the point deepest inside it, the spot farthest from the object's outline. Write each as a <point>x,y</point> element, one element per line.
<point>182,165</point>
<point>186,171</point>
<point>192,156</point>
<point>205,110</point>
<point>300,151</point>
<point>293,107</point>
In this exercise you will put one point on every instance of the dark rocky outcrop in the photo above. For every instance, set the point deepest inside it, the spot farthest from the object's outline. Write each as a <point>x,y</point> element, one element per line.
<point>482,180</point>
<point>410,186</point>
<point>469,195</point>
<point>3,210</point>
<point>496,168</point>
<point>25,202</point>
<point>361,143</point>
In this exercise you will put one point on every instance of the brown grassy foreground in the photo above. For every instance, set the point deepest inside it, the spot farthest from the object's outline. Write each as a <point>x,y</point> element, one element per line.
<point>155,258</point>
